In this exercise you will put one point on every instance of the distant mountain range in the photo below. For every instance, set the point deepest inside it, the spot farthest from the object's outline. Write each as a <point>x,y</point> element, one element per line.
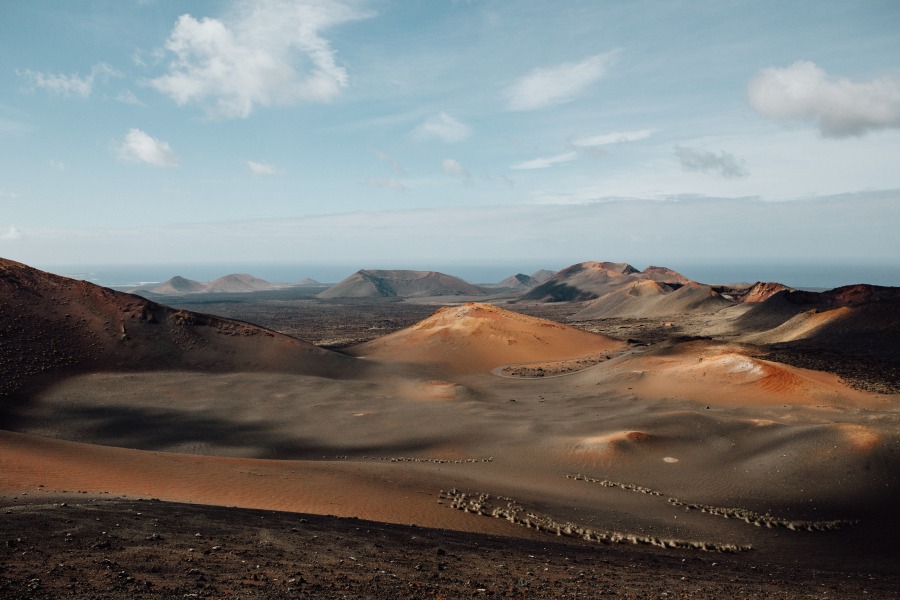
<point>366,283</point>
<point>862,317</point>
<point>235,283</point>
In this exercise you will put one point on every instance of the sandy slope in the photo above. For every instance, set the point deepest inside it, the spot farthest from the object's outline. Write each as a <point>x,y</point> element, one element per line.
<point>384,451</point>
<point>480,337</point>
<point>377,492</point>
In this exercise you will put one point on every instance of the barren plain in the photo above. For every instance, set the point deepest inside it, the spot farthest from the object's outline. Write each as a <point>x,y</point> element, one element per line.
<point>510,448</point>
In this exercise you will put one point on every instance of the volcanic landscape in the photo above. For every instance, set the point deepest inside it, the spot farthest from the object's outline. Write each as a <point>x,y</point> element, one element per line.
<point>601,430</point>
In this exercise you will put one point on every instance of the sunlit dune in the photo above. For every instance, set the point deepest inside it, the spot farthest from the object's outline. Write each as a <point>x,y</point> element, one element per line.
<point>801,326</point>
<point>721,375</point>
<point>476,338</point>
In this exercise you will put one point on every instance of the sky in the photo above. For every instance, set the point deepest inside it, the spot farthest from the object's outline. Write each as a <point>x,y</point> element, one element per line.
<point>389,134</point>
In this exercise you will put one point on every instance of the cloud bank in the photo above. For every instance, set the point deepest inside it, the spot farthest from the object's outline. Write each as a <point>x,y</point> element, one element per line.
<point>10,234</point>
<point>391,183</point>
<point>138,147</point>
<point>839,107</point>
<point>616,137</point>
<point>442,127</point>
<point>60,84</point>
<point>544,162</point>
<point>722,164</point>
<point>547,86</point>
<point>396,167</point>
<point>454,168</point>
<point>267,53</point>
<point>259,168</point>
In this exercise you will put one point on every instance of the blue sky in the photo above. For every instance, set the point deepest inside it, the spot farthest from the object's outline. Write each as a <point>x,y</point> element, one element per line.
<point>387,133</point>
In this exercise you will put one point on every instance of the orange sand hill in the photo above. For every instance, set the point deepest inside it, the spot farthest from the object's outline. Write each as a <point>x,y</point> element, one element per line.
<point>801,326</point>
<point>480,337</point>
<point>723,374</point>
<point>53,326</point>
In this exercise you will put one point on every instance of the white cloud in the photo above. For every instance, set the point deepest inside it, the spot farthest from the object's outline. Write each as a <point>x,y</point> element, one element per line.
<point>390,184</point>
<point>267,53</point>
<point>69,85</point>
<point>544,162</point>
<point>616,137</point>
<point>57,165</point>
<point>840,107</point>
<point>723,164</point>
<point>454,168</point>
<point>395,166</point>
<point>264,169</point>
<point>8,195</point>
<point>138,147</point>
<point>544,87</point>
<point>128,97</point>
<point>442,127</point>
<point>10,234</point>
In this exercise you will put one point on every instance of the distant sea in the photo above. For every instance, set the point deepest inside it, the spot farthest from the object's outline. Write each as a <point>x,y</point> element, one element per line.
<point>808,276</point>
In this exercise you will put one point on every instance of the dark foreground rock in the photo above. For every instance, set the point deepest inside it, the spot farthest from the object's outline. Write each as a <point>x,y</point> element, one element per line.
<point>82,548</point>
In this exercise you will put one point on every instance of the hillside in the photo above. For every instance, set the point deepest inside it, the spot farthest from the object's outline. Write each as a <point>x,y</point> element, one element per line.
<point>52,325</point>
<point>519,281</point>
<point>229,284</point>
<point>858,319</point>
<point>477,338</point>
<point>542,275</point>
<point>400,284</point>
<point>591,280</point>
<point>239,282</point>
<point>650,299</point>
